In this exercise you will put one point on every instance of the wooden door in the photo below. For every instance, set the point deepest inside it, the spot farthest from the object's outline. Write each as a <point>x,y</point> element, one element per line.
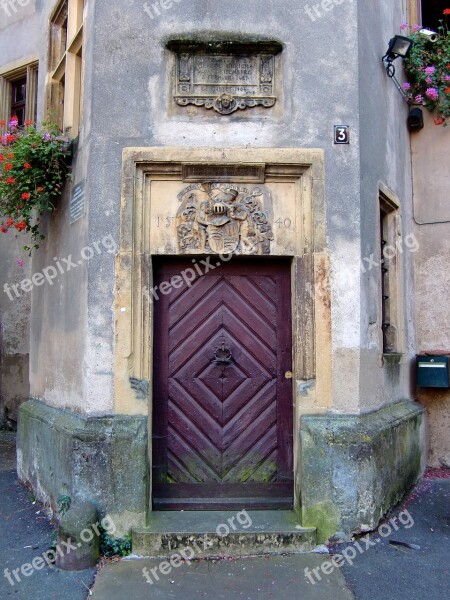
<point>222,404</point>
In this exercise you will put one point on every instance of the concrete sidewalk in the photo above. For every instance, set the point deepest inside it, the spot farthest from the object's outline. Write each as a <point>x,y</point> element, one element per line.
<point>275,577</point>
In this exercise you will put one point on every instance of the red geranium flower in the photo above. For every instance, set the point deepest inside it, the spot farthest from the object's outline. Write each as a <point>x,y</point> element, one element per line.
<point>40,189</point>
<point>10,222</point>
<point>26,196</point>
<point>446,11</point>
<point>8,166</point>
<point>10,180</point>
<point>2,158</point>
<point>2,123</point>
<point>21,226</point>
<point>3,229</point>
<point>10,138</point>
<point>27,166</point>
<point>447,90</point>
<point>28,123</point>
<point>10,155</point>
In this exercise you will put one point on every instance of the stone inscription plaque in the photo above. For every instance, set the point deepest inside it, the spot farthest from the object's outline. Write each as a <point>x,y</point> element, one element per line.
<point>226,82</point>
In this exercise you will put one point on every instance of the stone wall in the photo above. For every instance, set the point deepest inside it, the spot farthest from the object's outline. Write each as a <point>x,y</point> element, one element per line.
<point>355,468</point>
<point>102,460</point>
<point>14,330</point>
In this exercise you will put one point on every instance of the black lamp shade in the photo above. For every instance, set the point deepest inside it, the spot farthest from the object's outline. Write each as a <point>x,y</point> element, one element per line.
<point>399,46</point>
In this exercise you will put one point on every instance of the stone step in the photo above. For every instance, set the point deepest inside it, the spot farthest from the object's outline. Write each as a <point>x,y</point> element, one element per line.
<point>203,534</point>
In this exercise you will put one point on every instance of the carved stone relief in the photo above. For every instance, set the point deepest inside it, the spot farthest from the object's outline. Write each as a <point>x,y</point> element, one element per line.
<point>224,218</point>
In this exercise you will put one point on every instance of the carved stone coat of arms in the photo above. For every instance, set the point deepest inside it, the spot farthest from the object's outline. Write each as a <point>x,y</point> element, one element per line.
<point>224,218</point>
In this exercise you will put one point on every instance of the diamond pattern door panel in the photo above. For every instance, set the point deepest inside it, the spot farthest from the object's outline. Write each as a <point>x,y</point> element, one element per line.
<point>222,421</point>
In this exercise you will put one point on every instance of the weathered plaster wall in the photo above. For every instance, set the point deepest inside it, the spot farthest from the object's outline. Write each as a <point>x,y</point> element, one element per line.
<point>15,314</point>
<point>59,367</point>
<point>385,163</point>
<point>14,331</point>
<point>431,171</point>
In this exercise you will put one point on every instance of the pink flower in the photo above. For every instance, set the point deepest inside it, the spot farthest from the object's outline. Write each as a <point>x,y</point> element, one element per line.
<point>403,26</point>
<point>14,122</point>
<point>432,93</point>
<point>20,262</point>
<point>406,86</point>
<point>429,80</point>
<point>417,27</point>
<point>418,99</point>
<point>446,78</point>
<point>430,70</point>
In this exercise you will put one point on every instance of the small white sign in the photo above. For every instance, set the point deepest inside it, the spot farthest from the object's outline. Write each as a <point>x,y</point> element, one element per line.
<point>77,202</point>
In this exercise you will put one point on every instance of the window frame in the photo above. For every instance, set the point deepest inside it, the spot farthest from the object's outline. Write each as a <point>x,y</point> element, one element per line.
<point>28,71</point>
<point>415,12</point>
<point>390,275</point>
<point>65,64</point>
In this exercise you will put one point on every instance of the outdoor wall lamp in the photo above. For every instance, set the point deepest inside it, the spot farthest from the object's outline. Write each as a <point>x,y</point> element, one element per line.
<point>399,46</point>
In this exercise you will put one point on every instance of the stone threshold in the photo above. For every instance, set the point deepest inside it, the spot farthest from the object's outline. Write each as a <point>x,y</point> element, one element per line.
<point>209,534</point>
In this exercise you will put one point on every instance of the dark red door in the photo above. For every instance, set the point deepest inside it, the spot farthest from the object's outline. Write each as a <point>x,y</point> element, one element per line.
<point>222,405</point>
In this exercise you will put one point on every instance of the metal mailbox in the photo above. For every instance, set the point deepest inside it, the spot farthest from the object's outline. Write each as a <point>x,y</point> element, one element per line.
<point>432,371</point>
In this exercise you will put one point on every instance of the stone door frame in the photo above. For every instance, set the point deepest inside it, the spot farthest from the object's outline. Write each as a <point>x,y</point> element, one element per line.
<point>311,302</point>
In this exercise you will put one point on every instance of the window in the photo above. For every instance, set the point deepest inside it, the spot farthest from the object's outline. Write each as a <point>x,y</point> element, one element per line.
<point>65,66</point>
<point>18,93</point>
<point>391,249</point>
<point>432,13</point>
<point>427,12</point>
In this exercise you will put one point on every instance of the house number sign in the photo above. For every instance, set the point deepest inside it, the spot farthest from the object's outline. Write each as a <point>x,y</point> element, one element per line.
<point>341,134</point>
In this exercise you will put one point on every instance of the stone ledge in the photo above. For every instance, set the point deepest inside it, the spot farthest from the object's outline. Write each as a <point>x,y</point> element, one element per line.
<point>100,459</point>
<point>354,468</point>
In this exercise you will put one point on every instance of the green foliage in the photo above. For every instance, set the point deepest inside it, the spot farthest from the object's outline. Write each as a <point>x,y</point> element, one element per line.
<point>64,503</point>
<point>110,546</point>
<point>32,175</point>
<point>428,72</point>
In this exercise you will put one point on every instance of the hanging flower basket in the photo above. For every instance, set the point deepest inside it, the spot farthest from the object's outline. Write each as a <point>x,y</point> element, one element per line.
<point>428,71</point>
<point>33,169</point>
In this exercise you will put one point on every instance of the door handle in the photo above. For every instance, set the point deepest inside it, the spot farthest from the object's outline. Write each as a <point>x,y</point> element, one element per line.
<point>223,356</point>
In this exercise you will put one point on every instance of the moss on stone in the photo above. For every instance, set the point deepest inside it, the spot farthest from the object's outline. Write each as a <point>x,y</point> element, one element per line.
<point>325,517</point>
